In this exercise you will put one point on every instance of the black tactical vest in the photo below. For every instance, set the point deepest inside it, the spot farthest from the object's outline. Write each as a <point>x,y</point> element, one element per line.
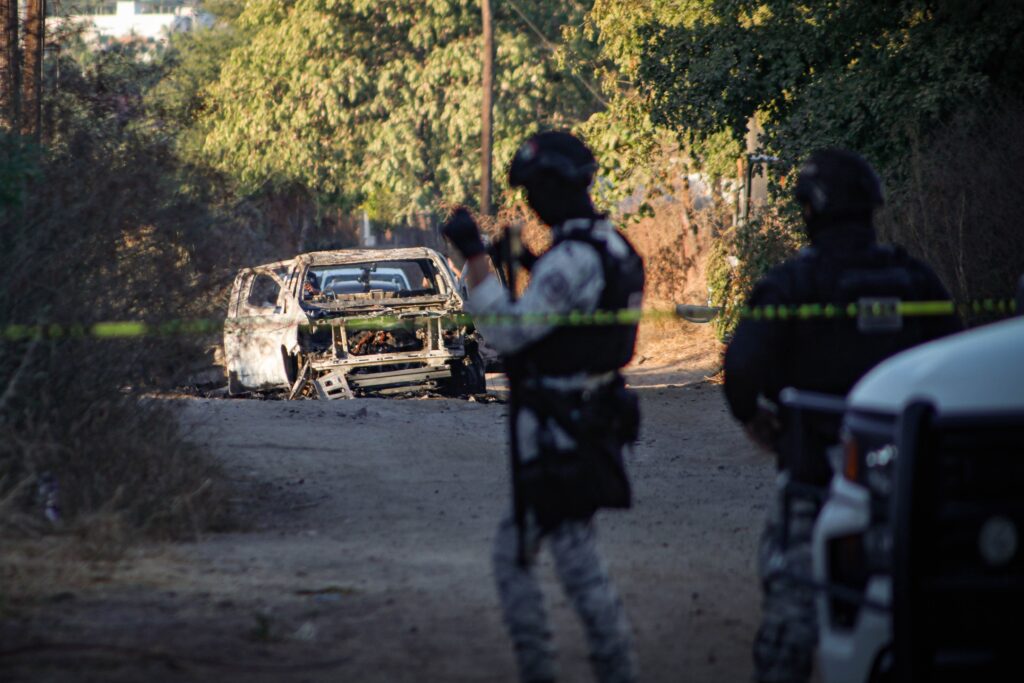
<point>601,347</point>
<point>830,355</point>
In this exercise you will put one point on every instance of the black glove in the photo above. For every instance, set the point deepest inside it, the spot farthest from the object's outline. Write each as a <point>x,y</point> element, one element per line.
<point>496,250</point>
<point>461,230</point>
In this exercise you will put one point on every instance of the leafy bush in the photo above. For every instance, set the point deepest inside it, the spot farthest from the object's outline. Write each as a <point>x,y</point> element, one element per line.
<point>867,76</point>
<point>742,255</point>
<point>913,85</point>
<point>94,226</point>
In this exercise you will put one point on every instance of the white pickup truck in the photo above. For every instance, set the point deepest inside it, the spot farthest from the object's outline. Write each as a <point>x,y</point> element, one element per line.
<point>919,548</point>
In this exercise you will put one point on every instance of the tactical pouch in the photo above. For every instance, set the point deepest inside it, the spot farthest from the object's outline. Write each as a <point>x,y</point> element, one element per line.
<point>553,488</point>
<point>573,484</point>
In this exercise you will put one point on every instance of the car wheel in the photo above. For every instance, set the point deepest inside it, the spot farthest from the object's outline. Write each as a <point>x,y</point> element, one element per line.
<point>234,386</point>
<point>476,373</point>
<point>291,366</point>
<point>468,375</point>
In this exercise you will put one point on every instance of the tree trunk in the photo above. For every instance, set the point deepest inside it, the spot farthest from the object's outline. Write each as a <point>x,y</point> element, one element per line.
<point>488,109</point>
<point>35,23</point>
<point>9,64</point>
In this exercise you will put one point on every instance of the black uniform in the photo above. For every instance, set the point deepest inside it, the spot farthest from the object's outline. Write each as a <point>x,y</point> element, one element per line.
<point>844,265</point>
<point>827,355</point>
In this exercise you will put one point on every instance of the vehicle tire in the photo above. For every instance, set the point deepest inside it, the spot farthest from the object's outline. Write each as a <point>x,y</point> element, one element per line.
<point>291,366</point>
<point>468,375</point>
<point>234,386</point>
<point>476,375</point>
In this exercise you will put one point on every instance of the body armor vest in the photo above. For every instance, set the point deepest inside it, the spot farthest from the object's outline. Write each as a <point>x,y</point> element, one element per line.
<point>831,355</point>
<point>595,348</point>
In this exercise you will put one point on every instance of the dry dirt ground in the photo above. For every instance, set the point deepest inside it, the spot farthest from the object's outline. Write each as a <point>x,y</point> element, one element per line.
<point>367,554</point>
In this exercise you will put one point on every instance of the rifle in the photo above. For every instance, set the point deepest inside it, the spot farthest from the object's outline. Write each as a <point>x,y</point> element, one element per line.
<point>511,247</point>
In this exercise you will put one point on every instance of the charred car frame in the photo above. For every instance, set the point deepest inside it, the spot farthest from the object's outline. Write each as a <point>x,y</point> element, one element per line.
<point>335,324</point>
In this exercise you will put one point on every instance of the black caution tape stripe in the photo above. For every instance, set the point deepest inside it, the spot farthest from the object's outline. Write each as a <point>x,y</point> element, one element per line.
<point>127,329</point>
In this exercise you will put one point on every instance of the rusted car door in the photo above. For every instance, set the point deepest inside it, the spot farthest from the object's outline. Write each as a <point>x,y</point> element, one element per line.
<point>261,327</point>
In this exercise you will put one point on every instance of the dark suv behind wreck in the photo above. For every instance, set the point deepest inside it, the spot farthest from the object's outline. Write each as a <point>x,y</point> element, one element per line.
<point>335,324</point>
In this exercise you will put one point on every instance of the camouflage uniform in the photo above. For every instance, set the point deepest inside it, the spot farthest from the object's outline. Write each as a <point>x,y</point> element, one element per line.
<point>585,580</point>
<point>788,635</point>
<point>569,277</point>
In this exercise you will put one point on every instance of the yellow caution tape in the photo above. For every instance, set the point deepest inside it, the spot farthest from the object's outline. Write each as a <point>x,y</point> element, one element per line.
<point>129,329</point>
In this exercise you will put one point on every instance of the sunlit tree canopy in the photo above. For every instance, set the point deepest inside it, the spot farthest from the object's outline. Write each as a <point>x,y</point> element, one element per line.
<point>377,103</point>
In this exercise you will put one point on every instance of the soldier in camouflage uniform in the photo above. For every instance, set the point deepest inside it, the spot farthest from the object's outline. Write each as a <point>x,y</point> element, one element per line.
<point>571,411</point>
<point>838,192</point>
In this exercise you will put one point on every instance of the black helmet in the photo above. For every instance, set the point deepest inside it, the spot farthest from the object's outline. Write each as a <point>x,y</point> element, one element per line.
<point>553,152</point>
<point>838,183</point>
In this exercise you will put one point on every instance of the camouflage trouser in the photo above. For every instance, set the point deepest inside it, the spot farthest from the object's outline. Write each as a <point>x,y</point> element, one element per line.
<point>785,642</point>
<point>585,580</point>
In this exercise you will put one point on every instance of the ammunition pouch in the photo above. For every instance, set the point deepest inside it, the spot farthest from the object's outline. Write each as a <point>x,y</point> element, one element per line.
<point>573,484</point>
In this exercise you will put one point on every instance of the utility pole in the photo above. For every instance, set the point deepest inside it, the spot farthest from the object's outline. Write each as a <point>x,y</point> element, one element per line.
<point>32,73</point>
<point>487,142</point>
<point>9,64</point>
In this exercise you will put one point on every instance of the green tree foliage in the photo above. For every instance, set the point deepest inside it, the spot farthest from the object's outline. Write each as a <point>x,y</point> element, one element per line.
<point>741,255</point>
<point>869,76</point>
<point>636,151</point>
<point>880,78</point>
<point>192,62</point>
<point>377,103</point>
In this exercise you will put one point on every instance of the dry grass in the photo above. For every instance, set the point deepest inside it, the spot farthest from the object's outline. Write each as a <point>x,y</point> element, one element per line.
<point>95,226</point>
<point>677,344</point>
<point>120,458</point>
<point>960,209</point>
<point>675,244</point>
<point>48,566</point>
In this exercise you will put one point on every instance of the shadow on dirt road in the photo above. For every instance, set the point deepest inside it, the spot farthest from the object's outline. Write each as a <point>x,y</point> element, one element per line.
<point>367,555</point>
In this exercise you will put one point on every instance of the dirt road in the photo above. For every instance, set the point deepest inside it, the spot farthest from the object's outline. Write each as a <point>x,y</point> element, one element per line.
<point>367,558</point>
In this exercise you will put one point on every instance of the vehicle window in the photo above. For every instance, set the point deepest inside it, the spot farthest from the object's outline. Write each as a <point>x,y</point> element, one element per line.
<point>389,279</point>
<point>264,291</point>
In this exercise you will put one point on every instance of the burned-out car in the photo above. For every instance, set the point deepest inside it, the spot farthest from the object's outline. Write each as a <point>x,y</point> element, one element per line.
<point>335,324</point>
